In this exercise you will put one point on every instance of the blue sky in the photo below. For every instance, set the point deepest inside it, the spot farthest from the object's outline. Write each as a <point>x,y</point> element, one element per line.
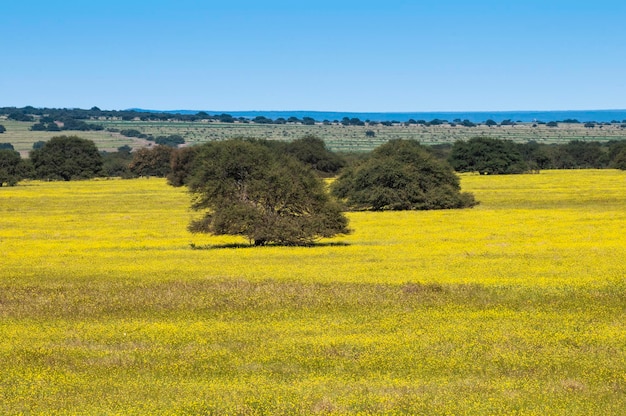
<point>386,56</point>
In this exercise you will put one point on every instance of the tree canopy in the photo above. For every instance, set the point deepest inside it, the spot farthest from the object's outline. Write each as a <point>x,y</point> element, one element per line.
<point>12,168</point>
<point>67,158</point>
<point>244,188</point>
<point>312,151</point>
<point>153,161</point>
<point>401,175</point>
<point>487,156</point>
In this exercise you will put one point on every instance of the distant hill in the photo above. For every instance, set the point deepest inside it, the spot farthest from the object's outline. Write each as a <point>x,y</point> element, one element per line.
<point>603,116</point>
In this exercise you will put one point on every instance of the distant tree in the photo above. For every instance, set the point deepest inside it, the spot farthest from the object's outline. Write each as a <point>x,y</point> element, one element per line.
<point>20,116</point>
<point>38,144</point>
<point>401,175</point>
<point>152,162</point>
<point>39,127</point>
<point>226,118</point>
<point>8,146</point>
<point>125,149</point>
<point>552,124</point>
<point>67,158</point>
<point>2,129</point>
<point>507,122</point>
<point>269,197</point>
<point>312,151</point>
<point>79,125</point>
<point>133,133</point>
<point>370,133</point>
<point>173,140</point>
<point>262,120</point>
<point>490,123</point>
<point>308,121</point>
<point>12,168</point>
<point>487,156</point>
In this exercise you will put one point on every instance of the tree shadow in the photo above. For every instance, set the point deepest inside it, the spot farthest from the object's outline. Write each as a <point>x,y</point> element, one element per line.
<point>243,245</point>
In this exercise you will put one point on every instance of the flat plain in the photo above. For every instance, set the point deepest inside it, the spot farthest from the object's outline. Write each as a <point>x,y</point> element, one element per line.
<point>337,137</point>
<point>517,306</point>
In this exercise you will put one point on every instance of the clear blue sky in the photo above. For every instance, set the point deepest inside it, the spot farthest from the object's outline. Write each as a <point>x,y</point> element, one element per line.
<point>389,56</point>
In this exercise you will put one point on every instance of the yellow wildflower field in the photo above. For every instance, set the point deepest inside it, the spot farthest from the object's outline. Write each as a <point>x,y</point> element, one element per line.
<point>517,306</point>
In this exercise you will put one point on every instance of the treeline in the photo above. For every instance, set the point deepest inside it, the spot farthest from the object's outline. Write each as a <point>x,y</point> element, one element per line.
<point>496,156</point>
<point>70,157</point>
<point>55,119</point>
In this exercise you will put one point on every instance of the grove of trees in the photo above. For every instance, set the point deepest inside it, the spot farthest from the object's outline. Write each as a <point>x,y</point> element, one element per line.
<point>487,156</point>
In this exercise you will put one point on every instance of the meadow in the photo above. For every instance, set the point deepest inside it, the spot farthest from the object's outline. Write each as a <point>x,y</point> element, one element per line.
<point>515,307</point>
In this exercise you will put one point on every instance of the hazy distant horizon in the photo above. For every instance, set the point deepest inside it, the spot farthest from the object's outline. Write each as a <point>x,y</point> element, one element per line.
<point>525,116</point>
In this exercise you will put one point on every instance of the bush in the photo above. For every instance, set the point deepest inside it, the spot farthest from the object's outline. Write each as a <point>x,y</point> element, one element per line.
<point>401,175</point>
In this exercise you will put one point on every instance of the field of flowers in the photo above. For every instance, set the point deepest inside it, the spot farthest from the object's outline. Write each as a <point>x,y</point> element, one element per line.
<point>517,306</point>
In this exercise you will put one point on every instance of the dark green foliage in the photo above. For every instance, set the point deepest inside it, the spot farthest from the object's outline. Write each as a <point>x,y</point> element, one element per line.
<point>312,151</point>
<point>117,164</point>
<point>619,161</point>
<point>247,189</point>
<point>153,161</point>
<point>79,125</point>
<point>12,167</point>
<point>617,154</point>
<point>8,146</point>
<point>38,145</point>
<point>487,156</point>
<point>586,154</point>
<point>401,175</point>
<point>262,120</point>
<point>172,140</point>
<point>182,165</point>
<point>67,158</point>
<point>2,129</point>
<point>20,116</point>
<point>133,133</point>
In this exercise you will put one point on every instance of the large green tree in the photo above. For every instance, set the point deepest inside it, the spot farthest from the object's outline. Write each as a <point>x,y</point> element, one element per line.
<point>12,167</point>
<point>401,175</point>
<point>245,188</point>
<point>67,158</point>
